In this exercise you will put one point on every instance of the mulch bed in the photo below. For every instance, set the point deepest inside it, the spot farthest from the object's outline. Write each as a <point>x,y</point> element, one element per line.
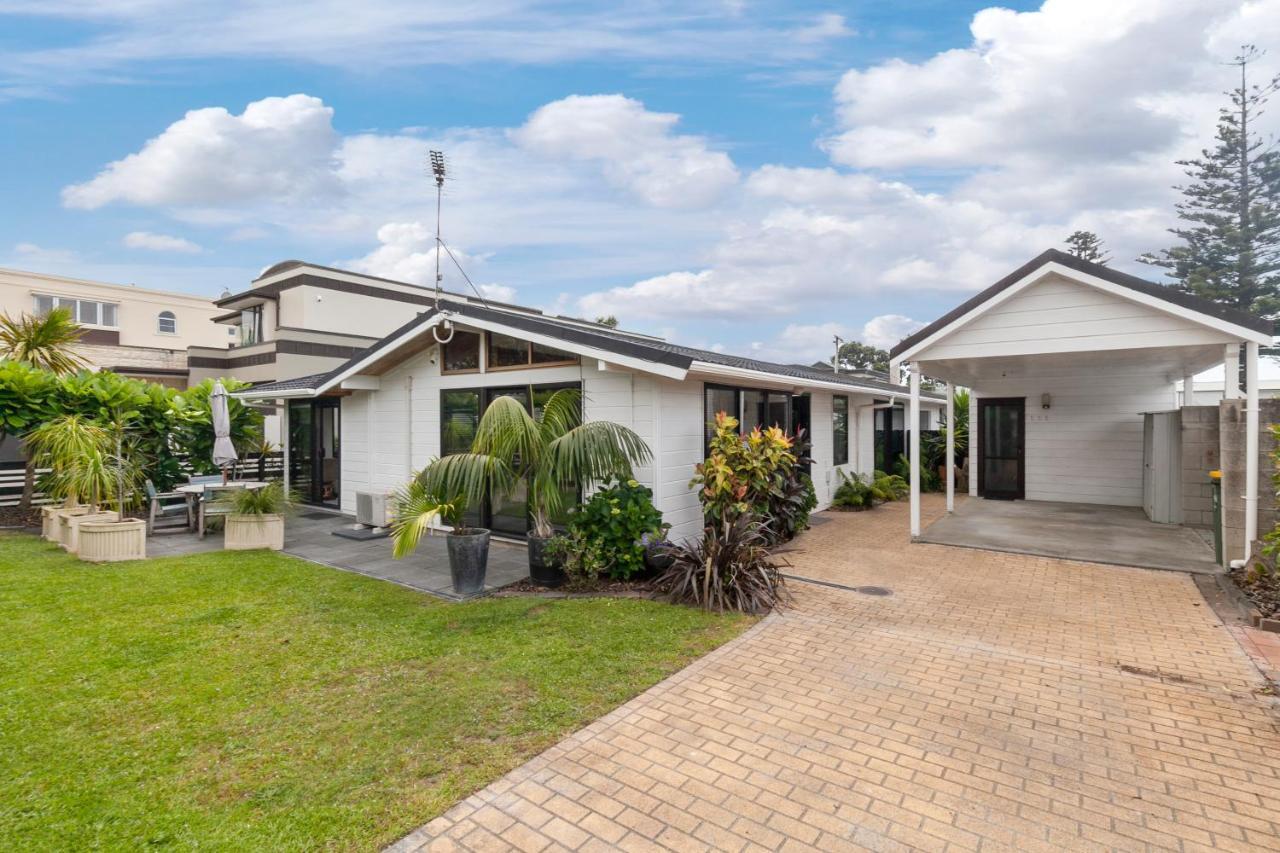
<point>12,516</point>
<point>643,588</point>
<point>1263,589</point>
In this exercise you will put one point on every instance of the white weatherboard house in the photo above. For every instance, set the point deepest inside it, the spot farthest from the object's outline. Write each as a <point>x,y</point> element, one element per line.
<point>1073,368</point>
<point>409,398</point>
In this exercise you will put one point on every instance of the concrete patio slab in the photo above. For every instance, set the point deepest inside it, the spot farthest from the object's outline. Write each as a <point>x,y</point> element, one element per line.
<point>310,536</point>
<point>1115,535</point>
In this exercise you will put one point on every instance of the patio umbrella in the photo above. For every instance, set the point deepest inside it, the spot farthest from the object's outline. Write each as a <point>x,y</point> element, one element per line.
<point>224,452</point>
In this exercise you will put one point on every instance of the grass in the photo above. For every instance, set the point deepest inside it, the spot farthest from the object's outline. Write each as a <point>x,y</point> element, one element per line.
<point>250,700</point>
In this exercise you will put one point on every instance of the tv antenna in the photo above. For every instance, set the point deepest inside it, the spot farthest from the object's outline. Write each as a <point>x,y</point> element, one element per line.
<point>439,173</point>
<point>835,361</point>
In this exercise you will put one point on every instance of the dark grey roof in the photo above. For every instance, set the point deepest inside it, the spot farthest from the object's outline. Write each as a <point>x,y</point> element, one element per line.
<point>299,383</point>
<point>1132,282</point>
<point>608,340</point>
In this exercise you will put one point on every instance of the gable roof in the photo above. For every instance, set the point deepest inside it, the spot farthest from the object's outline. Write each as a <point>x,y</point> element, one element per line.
<point>1185,301</point>
<point>597,341</point>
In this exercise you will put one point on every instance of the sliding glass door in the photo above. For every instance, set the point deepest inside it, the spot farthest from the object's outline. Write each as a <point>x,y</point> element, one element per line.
<point>460,412</point>
<point>315,450</point>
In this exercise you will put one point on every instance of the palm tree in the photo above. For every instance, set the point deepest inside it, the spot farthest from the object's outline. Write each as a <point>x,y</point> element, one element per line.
<point>45,342</point>
<point>553,453</point>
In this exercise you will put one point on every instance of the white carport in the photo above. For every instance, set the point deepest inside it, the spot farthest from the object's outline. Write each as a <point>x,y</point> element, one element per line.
<point>1063,358</point>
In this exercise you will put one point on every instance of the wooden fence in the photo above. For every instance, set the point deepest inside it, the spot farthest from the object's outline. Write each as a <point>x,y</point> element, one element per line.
<point>12,475</point>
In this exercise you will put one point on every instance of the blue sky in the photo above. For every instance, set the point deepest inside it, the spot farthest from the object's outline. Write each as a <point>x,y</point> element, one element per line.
<point>753,176</point>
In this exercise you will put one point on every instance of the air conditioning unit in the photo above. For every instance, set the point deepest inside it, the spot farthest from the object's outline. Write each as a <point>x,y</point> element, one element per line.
<point>373,510</point>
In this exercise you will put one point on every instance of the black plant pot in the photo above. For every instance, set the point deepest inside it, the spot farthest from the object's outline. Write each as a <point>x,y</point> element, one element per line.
<point>468,559</point>
<point>658,558</point>
<point>543,569</point>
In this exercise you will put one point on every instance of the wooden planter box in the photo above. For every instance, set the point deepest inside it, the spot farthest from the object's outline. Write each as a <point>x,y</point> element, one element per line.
<point>106,541</point>
<point>70,526</point>
<point>248,532</point>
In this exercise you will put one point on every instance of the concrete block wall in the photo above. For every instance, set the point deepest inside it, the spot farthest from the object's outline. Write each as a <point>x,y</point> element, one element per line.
<point>1200,455</point>
<point>1231,425</point>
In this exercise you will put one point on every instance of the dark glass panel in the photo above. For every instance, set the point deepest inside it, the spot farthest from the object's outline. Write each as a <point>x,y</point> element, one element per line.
<point>462,352</point>
<point>777,411</point>
<point>549,355</point>
<point>459,414</point>
<point>840,429</point>
<point>506,351</point>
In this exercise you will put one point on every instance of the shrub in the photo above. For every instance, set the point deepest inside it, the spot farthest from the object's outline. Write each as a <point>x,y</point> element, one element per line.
<point>271,499</point>
<point>889,487</point>
<point>582,558</point>
<point>756,474</point>
<point>614,522</point>
<point>790,503</point>
<point>853,493</point>
<point>929,480</point>
<point>729,568</point>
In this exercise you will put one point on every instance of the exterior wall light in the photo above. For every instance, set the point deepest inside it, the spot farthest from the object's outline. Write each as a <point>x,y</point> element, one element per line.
<point>1045,401</point>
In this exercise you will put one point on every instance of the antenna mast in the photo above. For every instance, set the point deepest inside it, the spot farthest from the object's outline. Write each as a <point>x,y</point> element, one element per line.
<point>835,361</point>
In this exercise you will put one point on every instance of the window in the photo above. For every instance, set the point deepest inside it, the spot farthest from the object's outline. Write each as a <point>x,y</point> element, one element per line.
<point>251,325</point>
<point>87,312</point>
<point>752,407</point>
<point>167,323</point>
<point>924,420</point>
<point>462,353</point>
<point>840,429</point>
<point>506,351</point>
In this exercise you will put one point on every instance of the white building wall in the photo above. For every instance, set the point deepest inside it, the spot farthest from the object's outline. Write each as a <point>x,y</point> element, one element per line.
<point>1057,315</point>
<point>1087,447</point>
<point>322,309</point>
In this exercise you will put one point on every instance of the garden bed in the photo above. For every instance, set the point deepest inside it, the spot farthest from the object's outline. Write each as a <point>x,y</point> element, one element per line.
<point>1261,588</point>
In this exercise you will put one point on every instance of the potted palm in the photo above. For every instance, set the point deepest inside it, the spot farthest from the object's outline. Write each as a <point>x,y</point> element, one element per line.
<point>256,518</point>
<point>418,507</point>
<point>553,453</point>
<point>90,462</point>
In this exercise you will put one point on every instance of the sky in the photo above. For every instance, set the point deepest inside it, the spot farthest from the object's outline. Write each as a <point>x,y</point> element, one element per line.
<point>748,176</point>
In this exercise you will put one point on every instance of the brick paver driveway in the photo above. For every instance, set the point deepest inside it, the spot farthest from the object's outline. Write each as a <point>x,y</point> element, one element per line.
<point>993,701</point>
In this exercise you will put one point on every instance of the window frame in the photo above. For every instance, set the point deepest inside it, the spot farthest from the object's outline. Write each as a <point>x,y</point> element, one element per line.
<point>73,304</point>
<point>737,390</point>
<point>256,315</point>
<point>835,431</point>
<point>529,363</point>
<point>171,317</point>
<point>481,354</point>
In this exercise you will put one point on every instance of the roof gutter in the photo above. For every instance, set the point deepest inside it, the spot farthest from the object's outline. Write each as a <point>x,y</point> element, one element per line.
<point>725,371</point>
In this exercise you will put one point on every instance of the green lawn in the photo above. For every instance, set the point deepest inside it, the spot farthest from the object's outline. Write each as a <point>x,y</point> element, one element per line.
<point>254,701</point>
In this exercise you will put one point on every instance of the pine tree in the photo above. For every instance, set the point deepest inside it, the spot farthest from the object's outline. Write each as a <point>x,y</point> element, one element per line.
<point>1088,247</point>
<point>1230,246</point>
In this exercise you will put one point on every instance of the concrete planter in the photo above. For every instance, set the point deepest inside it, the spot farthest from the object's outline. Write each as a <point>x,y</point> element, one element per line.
<point>71,525</point>
<point>109,541</point>
<point>248,532</point>
<point>53,521</point>
<point>544,570</point>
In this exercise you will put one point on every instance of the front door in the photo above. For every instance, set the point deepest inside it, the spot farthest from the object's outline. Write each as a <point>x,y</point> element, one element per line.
<point>1001,445</point>
<point>315,448</point>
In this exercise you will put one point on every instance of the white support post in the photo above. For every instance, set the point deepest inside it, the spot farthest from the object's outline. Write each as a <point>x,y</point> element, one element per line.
<point>971,453</point>
<point>1251,448</point>
<point>951,448</point>
<point>1188,389</point>
<point>913,424</point>
<point>282,411</point>
<point>1231,372</point>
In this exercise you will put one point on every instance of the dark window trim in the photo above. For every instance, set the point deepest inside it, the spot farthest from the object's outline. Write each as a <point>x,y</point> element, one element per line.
<point>708,417</point>
<point>529,363</point>
<point>835,445</point>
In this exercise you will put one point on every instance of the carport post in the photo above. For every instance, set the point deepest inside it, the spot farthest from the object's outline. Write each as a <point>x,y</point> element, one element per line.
<point>1231,372</point>
<point>1251,447</point>
<point>913,424</point>
<point>951,448</point>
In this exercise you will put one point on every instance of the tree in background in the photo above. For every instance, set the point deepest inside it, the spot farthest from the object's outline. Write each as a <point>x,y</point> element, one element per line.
<point>858,356</point>
<point>608,320</point>
<point>1087,246</point>
<point>47,342</point>
<point>1230,245</point>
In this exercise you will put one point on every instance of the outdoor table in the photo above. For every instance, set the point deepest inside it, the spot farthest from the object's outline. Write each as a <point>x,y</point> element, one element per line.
<point>194,491</point>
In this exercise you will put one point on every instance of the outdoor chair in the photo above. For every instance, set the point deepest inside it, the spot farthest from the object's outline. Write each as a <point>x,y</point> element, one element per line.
<point>163,505</point>
<point>214,503</point>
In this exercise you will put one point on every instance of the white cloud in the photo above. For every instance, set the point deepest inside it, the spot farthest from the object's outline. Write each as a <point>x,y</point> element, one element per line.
<point>123,41</point>
<point>32,253</point>
<point>407,252</point>
<point>278,148</point>
<point>887,329</point>
<point>637,149</point>
<point>159,242</point>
